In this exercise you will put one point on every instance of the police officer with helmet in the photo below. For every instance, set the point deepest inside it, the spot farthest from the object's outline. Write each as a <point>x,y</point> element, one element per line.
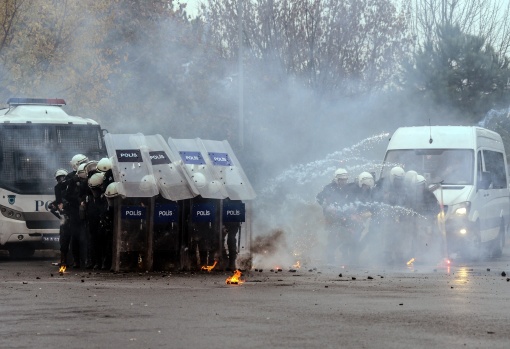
<point>106,224</point>
<point>57,208</point>
<point>73,200</point>
<point>333,198</point>
<point>390,192</point>
<point>96,205</point>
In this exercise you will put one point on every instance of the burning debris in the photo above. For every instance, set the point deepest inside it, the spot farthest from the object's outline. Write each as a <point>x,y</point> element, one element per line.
<point>62,269</point>
<point>235,279</point>
<point>209,267</point>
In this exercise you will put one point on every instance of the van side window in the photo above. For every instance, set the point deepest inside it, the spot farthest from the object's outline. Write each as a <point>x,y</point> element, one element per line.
<point>495,164</point>
<point>479,168</point>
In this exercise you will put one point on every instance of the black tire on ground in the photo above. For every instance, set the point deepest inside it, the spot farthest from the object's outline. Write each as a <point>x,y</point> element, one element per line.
<point>499,242</point>
<point>20,252</point>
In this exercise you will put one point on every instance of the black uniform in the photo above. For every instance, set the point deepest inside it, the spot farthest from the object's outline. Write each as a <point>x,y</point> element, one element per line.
<point>106,224</point>
<point>336,202</point>
<point>390,220</point>
<point>65,233</point>
<point>73,196</point>
<point>96,206</point>
<point>361,220</point>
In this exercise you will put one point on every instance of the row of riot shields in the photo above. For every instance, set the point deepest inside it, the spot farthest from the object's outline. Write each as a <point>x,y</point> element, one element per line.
<point>175,199</point>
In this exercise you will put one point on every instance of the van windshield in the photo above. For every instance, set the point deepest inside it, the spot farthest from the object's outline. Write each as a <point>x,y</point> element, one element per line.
<point>449,166</point>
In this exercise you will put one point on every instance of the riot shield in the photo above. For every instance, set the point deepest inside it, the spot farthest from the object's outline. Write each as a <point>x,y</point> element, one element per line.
<point>227,169</point>
<point>197,169</point>
<point>172,180</point>
<point>131,165</point>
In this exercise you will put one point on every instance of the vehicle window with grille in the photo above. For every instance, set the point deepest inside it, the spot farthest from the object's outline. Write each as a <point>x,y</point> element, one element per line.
<point>31,153</point>
<point>495,164</point>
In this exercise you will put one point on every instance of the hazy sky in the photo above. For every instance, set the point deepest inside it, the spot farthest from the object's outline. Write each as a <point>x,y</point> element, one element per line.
<point>192,6</point>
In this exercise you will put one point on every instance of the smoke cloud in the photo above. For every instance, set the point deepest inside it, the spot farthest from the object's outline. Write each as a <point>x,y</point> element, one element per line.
<point>294,137</point>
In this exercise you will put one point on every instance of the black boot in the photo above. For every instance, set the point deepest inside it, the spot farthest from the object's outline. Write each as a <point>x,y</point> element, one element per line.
<point>63,259</point>
<point>232,261</point>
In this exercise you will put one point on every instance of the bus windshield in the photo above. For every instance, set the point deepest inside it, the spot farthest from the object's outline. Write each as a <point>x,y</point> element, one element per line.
<point>449,166</point>
<point>31,153</point>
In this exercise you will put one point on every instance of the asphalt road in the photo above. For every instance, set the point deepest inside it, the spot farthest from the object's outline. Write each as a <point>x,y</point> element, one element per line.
<point>419,306</point>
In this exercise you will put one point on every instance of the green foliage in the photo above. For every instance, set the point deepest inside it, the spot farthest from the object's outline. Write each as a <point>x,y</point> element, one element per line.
<point>460,72</point>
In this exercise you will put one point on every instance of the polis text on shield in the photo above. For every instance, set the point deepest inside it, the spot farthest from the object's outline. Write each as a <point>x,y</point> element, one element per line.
<point>128,155</point>
<point>134,213</point>
<point>167,213</point>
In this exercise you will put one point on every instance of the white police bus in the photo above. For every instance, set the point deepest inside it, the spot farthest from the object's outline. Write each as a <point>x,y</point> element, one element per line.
<point>36,138</point>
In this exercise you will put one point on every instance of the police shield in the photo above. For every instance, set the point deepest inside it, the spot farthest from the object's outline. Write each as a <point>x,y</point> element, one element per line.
<point>172,180</point>
<point>227,169</point>
<point>131,165</point>
<point>203,212</point>
<point>198,170</point>
<point>234,212</point>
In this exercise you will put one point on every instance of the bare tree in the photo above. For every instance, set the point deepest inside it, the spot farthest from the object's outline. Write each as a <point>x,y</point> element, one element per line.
<point>346,47</point>
<point>488,19</point>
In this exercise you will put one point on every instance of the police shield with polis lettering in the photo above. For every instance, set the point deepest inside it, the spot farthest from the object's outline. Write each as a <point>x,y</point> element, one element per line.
<point>173,182</point>
<point>131,163</point>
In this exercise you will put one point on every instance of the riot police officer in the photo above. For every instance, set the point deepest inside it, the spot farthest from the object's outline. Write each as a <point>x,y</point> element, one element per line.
<point>73,201</point>
<point>333,198</point>
<point>106,224</point>
<point>96,206</point>
<point>391,218</point>
<point>57,207</point>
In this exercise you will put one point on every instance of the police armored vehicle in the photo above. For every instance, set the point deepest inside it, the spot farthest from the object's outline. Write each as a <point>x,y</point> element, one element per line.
<point>37,137</point>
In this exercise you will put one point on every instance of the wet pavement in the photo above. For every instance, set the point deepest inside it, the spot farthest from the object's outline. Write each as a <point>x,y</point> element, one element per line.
<point>465,305</point>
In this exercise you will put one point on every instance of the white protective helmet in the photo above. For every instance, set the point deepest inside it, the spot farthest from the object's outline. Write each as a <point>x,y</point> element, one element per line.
<point>77,160</point>
<point>199,180</point>
<point>147,182</point>
<point>60,172</point>
<point>365,178</point>
<point>410,177</point>
<point>104,165</point>
<point>214,186</point>
<point>397,173</point>
<point>80,172</point>
<point>90,167</point>
<point>341,174</point>
<point>420,180</point>
<point>111,190</point>
<point>96,180</point>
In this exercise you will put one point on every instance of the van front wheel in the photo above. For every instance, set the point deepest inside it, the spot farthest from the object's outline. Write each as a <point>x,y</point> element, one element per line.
<point>499,242</point>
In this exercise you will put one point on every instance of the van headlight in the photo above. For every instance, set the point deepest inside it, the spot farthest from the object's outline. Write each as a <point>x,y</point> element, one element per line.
<point>462,209</point>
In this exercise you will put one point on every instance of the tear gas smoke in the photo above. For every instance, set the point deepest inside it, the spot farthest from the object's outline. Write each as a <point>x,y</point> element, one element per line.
<point>289,224</point>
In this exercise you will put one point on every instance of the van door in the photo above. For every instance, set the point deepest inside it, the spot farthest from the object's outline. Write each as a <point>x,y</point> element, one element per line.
<point>480,198</point>
<point>496,196</point>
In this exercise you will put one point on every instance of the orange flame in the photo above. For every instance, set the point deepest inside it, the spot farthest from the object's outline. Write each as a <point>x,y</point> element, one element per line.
<point>234,279</point>
<point>209,267</point>
<point>411,261</point>
<point>297,265</point>
<point>62,269</point>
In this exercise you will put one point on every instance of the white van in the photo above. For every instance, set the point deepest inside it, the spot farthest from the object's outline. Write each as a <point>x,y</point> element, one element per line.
<point>468,166</point>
